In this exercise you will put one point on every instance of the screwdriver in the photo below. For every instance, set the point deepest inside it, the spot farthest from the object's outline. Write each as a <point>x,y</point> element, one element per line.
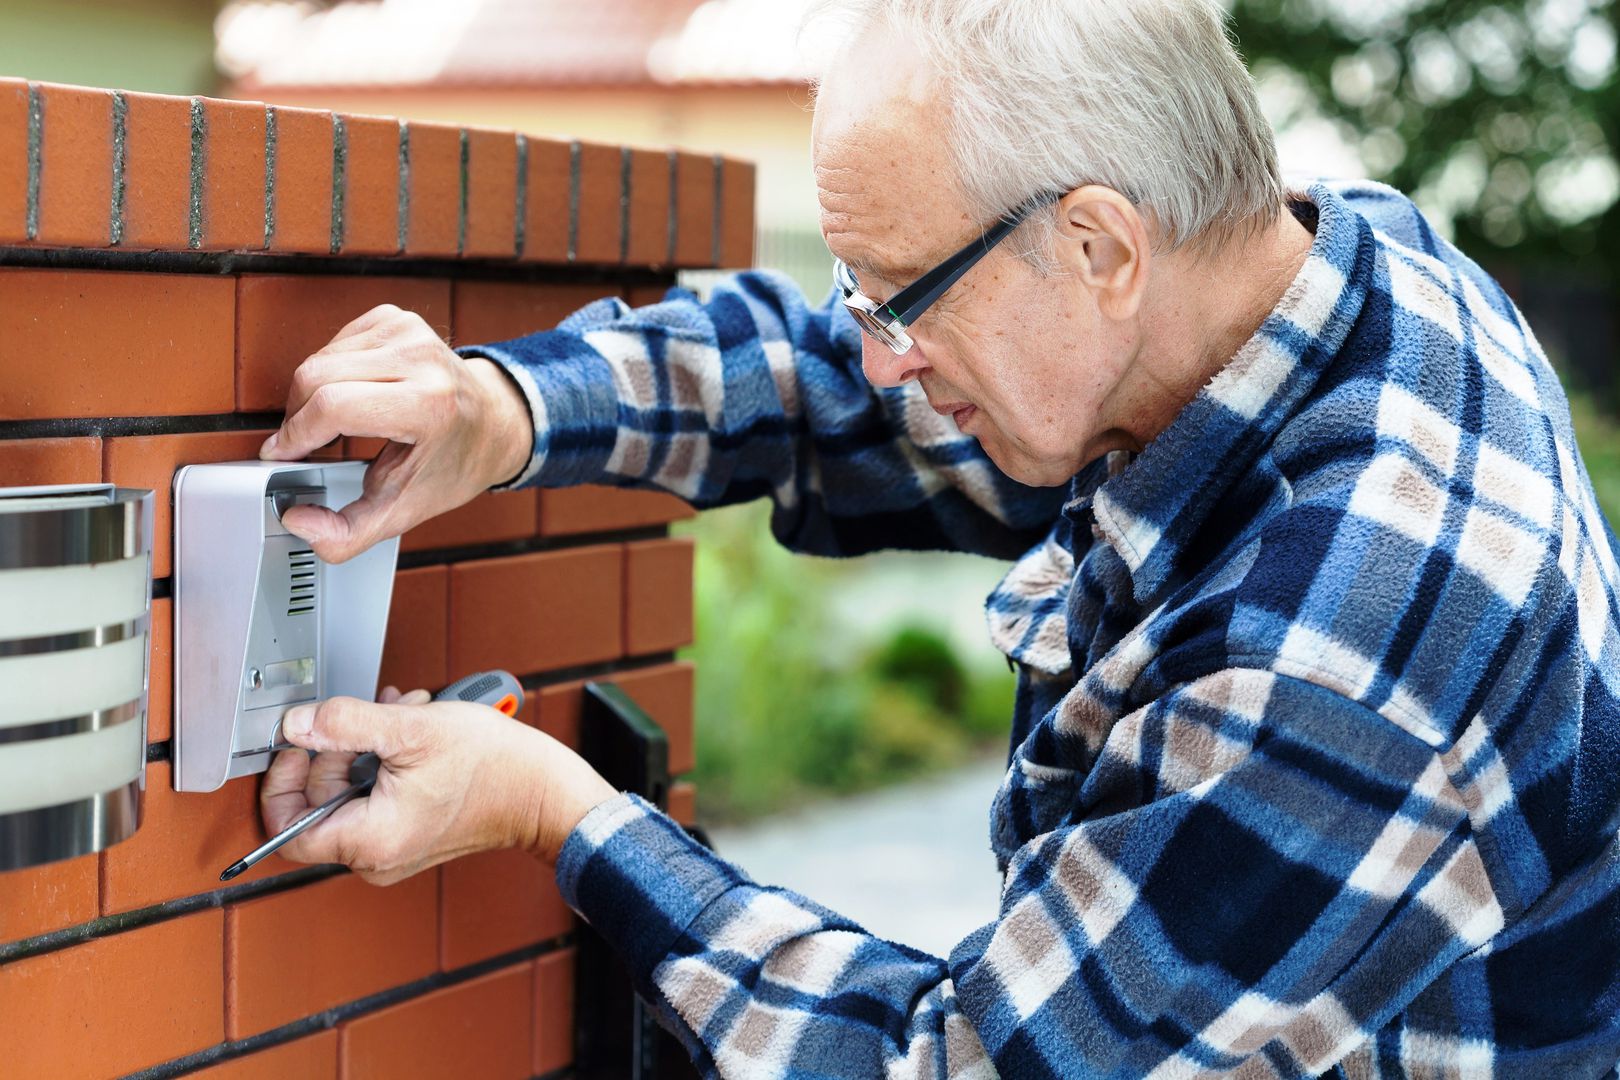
<point>496,689</point>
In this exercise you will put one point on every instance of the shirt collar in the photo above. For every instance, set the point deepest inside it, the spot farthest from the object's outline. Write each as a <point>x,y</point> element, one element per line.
<point>1150,510</point>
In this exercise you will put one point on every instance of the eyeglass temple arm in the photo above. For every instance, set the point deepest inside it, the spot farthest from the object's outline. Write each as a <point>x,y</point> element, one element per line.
<point>928,288</point>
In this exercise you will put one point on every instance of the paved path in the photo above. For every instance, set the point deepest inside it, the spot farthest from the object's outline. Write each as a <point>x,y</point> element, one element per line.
<point>910,863</point>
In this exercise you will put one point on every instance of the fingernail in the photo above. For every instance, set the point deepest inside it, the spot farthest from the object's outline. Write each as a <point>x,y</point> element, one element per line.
<point>298,722</point>
<point>269,446</point>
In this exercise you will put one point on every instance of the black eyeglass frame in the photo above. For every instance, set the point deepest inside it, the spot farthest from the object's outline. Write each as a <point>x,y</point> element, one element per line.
<point>887,320</point>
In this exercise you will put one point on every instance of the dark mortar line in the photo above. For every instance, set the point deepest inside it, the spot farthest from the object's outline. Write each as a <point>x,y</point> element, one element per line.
<point>520,229</point>
<point>120,149</point>
<point>269,176</point>
<point>116,426</point>
<point>330,1018</point>
<point>108,925</point>
<point>576,154</point>
<point>163,588</point>
<point>564,1073</point>
<point>719,206</point>
<point>340,157</point>
<point>603,670</point>
<point>461,224</point>
<point>160,751</point>
<point>674,202</point>
<point>625,165</point>
<point>36,136</point>
<point>252,262</point>
<point>199,134</point>
<point>414,560</point>
<point>402,228</point>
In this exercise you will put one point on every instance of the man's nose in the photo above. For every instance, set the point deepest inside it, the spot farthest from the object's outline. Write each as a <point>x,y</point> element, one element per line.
<point>885,367</point>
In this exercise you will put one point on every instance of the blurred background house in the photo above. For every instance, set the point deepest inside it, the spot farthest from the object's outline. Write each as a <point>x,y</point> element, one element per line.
<point>1500,118</point>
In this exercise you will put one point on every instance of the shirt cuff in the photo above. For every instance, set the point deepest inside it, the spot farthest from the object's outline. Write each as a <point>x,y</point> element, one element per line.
<point>639,879</point>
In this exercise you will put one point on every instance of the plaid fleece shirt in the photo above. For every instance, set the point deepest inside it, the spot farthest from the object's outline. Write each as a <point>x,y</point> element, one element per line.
<point>1316,760</point>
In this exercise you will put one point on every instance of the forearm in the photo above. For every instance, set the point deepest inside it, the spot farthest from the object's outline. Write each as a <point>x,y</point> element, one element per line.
<point>755,394</point>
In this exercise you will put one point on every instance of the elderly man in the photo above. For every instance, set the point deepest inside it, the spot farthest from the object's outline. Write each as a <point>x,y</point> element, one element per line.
<point>1314,760</point>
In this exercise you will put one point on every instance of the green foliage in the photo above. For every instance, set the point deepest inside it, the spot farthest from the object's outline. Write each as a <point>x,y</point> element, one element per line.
<point>791,705</point>
<point>1502,116</point>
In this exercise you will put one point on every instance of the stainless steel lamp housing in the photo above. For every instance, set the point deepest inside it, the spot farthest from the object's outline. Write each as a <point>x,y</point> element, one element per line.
<point>75,610</point>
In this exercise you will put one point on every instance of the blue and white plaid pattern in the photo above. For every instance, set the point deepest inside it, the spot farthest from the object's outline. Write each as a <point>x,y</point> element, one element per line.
<point>1316,764</point>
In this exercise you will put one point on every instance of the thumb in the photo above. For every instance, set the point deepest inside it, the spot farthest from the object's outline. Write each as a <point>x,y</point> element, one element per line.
<point>392,732</point>
<point>339,535</point>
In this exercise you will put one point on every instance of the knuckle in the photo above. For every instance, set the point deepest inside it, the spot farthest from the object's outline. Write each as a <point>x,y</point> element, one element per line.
<point>324,398</point>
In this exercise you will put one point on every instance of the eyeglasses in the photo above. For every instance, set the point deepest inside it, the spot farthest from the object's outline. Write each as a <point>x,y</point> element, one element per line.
<point>887,321</point>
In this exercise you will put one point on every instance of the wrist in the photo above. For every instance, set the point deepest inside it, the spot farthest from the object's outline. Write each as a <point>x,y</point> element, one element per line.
<point>557,790</point>
<point>508,421</point>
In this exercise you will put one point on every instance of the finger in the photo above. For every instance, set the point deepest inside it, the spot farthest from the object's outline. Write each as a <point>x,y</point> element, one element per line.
<point>365,322</point>
<point>396,733</point>
<point>339,535</point>
<point>282,798</point>
<point>345,365</point>
<point>328,776</point>
<point>416,697</point>
<point>382,410</point>
<point>389,695</point>
<point>334,840</point>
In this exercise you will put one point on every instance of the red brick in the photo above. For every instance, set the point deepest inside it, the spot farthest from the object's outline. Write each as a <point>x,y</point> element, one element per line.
<point>649,208</point>
<point>545,215</point>
<point>45,898</point>
<point>14,161</point>
<point>683,802</point>
<point>494,902</point>
<point>694,210</point>
<point>658,594</point>
<point>491,194</point>
<point>555,710</point>
<point>360,448</point>
<point>75,173</point>
<point>433,225</point>
<point>150,461</point>
<point>295,953</point>
<point>501,310</point>
<point>135,344</point>
<point>157,172</point>
<point>553,1011</point>
<point>642,295</point>
<point>592,508</point>
<point>302,194</point>
<point>737,214</point>
<point>538,612</point>
<point>601,184</point>
<point>115,1004</point>
<point>186,838</point>
<point>490,518</point>
<point>283,319</point>
<point>160,694</point>
<point>233,175</point>
<point>25,462</point>
<point>664,690</point>
<point>416,649</point>
<point>314,1057</point>
<point>478,1028</point>
<point>370,185</point>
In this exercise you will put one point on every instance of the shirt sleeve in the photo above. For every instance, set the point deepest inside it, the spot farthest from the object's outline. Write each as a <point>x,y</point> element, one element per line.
<point>754,393</point>
<point>1258,873</point>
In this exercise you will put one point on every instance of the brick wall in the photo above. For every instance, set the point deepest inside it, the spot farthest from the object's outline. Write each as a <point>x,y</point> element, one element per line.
<point>165,263</point>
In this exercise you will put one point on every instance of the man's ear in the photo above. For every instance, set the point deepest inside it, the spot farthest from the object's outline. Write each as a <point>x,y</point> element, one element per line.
<point>1103,240</point>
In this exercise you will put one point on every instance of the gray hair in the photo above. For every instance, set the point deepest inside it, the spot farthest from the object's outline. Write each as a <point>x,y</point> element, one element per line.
<point>1148,97</point>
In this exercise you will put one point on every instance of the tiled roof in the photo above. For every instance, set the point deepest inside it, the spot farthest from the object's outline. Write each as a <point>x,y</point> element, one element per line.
<point>399,43</point>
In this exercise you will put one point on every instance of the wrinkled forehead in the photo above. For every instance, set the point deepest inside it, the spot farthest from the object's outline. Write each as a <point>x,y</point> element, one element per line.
<point>883,169</point>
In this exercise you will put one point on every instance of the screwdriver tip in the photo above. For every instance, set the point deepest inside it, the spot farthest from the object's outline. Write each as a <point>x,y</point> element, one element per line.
<point>235,869</point>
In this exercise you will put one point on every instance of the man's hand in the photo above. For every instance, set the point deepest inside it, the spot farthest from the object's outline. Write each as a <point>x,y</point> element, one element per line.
<point>455,778</point>
<point>455,428</point>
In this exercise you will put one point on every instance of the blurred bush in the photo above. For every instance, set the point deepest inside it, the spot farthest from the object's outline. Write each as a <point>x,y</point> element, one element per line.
<point>793,702</point>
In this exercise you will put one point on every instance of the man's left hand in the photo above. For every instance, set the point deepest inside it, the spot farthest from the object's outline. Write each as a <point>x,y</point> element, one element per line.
<point>455,778</point>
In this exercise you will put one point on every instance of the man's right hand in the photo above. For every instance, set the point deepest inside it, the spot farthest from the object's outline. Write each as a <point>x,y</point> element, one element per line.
<point>455,427</point>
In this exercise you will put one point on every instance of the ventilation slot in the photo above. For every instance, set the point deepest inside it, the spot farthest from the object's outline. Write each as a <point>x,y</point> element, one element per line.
<point>301,573</point>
